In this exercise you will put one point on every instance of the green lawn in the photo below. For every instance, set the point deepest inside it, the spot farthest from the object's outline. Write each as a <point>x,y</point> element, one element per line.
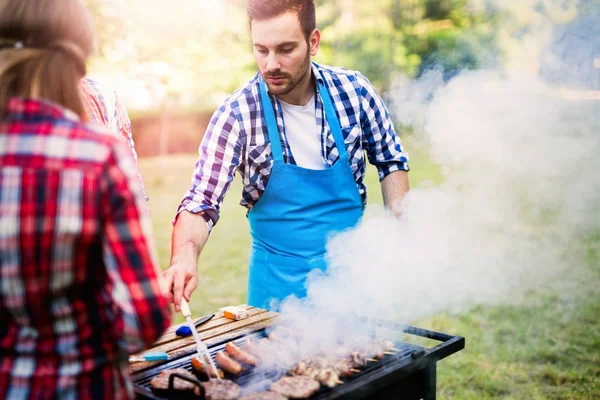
<point>546,348</point>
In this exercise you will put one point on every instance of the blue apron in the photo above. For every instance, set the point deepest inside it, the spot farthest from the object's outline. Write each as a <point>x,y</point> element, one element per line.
<point>294,217</point>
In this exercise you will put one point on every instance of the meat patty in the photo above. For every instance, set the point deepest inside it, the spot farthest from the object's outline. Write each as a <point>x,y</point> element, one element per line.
<point>295,387</point>
<point>161,381</point>
<point>221,389</point>
<point>263,396</point>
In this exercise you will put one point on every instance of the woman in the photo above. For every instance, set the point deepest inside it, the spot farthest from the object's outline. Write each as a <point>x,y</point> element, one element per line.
<point>78,281</point>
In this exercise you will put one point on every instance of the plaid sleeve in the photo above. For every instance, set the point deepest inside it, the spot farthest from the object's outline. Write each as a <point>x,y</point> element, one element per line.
<point>383,145</point>
<point>130,260</point>
<point>123,126</point>
<point>219,158</point>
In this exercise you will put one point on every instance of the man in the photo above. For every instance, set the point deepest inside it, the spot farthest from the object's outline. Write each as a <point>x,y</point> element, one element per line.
<point>297,133</point>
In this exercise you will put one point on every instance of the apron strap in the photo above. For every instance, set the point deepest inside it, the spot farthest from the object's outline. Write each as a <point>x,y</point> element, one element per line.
<point>272,127</point>
<point>332,119</point>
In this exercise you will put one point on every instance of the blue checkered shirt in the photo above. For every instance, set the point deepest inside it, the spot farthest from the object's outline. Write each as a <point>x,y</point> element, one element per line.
<point>237,140</point>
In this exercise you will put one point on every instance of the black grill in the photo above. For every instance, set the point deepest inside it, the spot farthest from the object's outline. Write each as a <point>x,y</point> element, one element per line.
<point>409,373</point>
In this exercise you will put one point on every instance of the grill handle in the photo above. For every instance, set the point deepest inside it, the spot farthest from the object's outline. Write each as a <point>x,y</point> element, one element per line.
<point>188,379</point>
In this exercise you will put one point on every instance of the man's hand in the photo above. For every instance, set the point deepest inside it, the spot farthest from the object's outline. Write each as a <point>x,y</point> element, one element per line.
<point>190,233</point>
<point>182,279</point>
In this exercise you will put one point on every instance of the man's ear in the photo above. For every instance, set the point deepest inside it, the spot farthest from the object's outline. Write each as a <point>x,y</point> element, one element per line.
<point>314,41</point>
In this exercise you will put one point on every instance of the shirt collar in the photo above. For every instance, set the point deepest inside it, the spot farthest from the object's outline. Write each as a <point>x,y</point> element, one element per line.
<point>27,108</point>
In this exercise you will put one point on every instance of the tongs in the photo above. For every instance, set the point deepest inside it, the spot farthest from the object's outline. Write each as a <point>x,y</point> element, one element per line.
<point>200,347</point>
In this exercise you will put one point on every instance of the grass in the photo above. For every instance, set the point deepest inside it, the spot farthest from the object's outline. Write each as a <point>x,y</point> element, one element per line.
<point>546,348</point>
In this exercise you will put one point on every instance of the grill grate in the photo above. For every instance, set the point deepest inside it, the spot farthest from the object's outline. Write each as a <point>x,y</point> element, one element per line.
<point>408,359</point>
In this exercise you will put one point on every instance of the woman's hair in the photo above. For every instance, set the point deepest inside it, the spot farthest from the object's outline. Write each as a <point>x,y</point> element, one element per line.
<point>44,46</point>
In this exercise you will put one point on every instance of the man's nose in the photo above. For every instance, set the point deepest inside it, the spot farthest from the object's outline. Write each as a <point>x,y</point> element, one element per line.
<point>273,63</point>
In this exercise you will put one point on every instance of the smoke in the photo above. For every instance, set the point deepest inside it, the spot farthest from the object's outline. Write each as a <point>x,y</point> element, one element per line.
<point>520,196</point>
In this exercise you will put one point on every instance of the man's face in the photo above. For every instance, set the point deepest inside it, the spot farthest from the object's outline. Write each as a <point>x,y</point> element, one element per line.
<point>282,52</point>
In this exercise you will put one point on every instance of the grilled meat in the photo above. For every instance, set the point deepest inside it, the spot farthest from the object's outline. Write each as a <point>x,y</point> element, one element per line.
<point>386,344</point>
<point>343,368</point>
<point>201,369</point>
<point>160,383</point>
<point>239,354</point>
<point>221,389</point>
<point>328,377</point>
<point>325,375</point>
<point>299,368</point>
<point>263,396</point>
<point>228,364</point>
<point>251,347</point>
<point>295,387</point>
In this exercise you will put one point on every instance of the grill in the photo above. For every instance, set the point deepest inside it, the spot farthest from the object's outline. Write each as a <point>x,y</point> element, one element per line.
<point>409,373</point>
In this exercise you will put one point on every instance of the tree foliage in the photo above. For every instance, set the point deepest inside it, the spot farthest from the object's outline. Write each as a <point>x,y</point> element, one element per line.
<point>198,51</point>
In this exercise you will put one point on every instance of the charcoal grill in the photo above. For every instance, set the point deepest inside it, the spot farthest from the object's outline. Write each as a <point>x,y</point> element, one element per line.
<point>409,373</point>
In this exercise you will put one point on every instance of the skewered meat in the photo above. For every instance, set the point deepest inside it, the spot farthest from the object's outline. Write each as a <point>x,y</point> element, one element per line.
<point>312,373</point>
<point>201,369</point>
<point>160,383</point>
<point>386,344</point>
<point>263,396</point>
<point>376,351</point>
<point>221,389</point>
<point>358,359</point>
<point>240,355</point>
<point>299,368</point>
<point>295,387</point>
<point>328,377</point>
<point>343,368</point>
<point>228,364</point>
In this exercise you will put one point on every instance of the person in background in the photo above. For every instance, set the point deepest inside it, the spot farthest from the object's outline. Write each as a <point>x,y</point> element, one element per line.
<point>79,284</point>
<point>297,133</point>
<point>103,106</point>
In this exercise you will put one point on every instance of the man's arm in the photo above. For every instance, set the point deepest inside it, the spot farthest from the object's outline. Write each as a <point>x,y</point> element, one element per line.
<point>190,234</point>
<point>219,158</point>
<point>394,186</point>
<point>384,147</point>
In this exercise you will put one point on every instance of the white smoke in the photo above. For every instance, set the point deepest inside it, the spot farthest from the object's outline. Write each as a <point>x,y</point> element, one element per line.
<point>521,193</point>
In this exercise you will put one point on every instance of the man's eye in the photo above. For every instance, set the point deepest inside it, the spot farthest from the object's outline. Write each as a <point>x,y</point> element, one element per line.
<point>287,50</point>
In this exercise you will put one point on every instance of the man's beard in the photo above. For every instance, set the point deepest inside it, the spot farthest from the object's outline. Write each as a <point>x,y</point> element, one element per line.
<point>278,90</point>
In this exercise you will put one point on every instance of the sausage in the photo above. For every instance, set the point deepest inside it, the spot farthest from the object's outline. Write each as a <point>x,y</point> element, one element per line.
<point>227,363</point>
<point>240,355</point>
<point>251,348</point>
<point>201,368</point>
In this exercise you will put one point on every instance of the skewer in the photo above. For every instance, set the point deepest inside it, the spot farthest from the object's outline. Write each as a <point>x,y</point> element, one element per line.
<point>337,381</point>
<point>356,371</point>
<point>389,352</point>
<point>394,349</point>
<point>372,360</point>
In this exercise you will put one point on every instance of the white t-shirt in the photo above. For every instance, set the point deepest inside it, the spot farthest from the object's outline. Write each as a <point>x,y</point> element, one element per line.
<point>303,134</point>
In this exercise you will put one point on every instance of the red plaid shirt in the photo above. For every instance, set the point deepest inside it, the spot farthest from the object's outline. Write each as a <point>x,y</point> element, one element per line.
<point>104,107</point>
<point>78,279</point>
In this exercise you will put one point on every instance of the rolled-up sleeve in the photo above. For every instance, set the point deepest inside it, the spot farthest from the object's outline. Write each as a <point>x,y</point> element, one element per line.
<point>383,145</point>
<point>219,157</point>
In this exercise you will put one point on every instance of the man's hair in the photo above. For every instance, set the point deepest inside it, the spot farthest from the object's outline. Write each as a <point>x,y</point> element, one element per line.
<point>265,9</point>
<point>44,46</point>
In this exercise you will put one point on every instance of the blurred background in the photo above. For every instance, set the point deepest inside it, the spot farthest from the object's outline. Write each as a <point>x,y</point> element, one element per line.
<point>173,62</point>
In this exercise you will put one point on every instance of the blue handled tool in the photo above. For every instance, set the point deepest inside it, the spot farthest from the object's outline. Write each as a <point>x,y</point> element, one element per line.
<point>150,356</point>
<point>185,330</point>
